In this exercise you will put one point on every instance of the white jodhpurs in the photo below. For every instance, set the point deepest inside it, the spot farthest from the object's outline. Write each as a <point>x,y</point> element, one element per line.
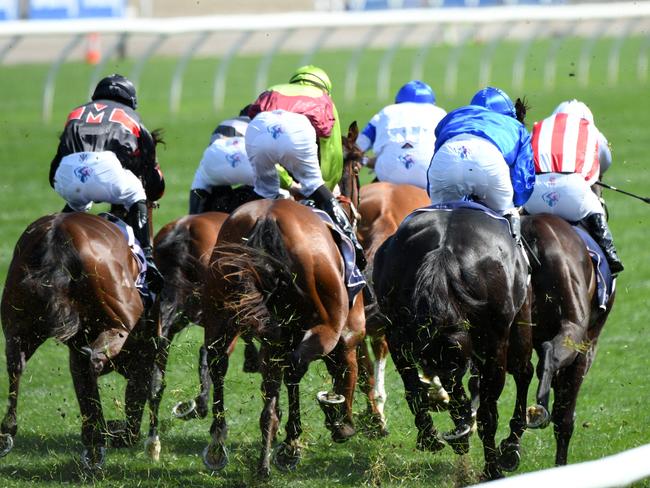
<point>566,195</point>
<point>404,165</point>
<point>468,165</point>
<point>224,162</point>
<point>87,177</point>
<point>287,139</point>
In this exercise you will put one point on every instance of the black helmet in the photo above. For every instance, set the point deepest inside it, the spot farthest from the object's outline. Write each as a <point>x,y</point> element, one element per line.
<point>116,87</point>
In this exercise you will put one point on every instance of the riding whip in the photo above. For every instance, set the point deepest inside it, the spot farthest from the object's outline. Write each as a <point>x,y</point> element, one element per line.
<point>610,187</point>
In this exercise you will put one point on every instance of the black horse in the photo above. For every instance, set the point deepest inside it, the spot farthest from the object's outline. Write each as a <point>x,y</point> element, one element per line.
<point>452,283</point>
<point>568,318</point>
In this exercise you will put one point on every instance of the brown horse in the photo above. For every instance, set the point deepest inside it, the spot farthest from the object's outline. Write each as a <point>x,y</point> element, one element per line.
<point>454,285</point>
<point>276,270</point>
<point>383,207</point>
<point>72,277</point>
<point>182,251</point>
<point>568,321</point>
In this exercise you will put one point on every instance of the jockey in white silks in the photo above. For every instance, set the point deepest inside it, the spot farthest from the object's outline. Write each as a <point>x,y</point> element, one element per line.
<point>402,135</point>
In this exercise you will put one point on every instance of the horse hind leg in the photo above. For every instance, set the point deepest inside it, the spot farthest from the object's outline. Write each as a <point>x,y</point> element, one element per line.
<point>566,389</point>
<point>17,353</point>
<point>285,459</point>
<point>556,354</point>
<point>342,366</point>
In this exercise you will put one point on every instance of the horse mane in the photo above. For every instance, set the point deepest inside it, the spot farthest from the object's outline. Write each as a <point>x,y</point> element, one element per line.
<point>54,269</point>
<point>254,272</point>
<point>441,293</point>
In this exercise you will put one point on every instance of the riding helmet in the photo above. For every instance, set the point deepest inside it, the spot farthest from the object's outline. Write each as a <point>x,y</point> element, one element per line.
<point>416,91</point>
<point>118,88</point>
<point>312,75</point>
<point>496,100</point>
<point>575,107</point>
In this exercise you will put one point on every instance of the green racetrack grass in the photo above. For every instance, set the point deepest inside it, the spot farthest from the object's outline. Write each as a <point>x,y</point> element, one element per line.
<point>612,413</point>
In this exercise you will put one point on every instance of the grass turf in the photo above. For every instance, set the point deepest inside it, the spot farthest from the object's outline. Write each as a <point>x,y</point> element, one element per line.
<point>611,413</point>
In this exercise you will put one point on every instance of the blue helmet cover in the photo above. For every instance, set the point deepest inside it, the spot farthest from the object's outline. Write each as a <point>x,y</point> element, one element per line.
<point>416,91</point>
<point>496,100</point>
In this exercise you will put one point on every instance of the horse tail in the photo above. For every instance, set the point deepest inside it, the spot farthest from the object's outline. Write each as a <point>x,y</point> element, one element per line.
<point>53,273</point>
<point>441,293</point>
<point>177,263</point>
<point>253,273</point>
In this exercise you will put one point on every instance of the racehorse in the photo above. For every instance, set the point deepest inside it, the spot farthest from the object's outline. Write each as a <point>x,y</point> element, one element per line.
<point>453,285</point>
<point>568,321</point>
<point>72,277</point>
<point>383,206</point>
<point>182,250</point>
<point>276,270</point>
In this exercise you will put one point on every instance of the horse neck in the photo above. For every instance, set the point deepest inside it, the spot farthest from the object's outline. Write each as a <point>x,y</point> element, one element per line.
<point>349,186</point>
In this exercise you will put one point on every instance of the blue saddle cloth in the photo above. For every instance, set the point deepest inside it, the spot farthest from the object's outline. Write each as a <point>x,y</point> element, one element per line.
<point>354,280</point>
<point>456,204</point>
<point>605,283</point>
<point>140,282</point>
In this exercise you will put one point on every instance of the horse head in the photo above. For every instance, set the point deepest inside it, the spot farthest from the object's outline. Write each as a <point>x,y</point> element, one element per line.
<point>349,184</point>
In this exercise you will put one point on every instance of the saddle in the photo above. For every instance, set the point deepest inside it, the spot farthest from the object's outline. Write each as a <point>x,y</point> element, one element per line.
<point>605,282</point>
<point>148,297</point>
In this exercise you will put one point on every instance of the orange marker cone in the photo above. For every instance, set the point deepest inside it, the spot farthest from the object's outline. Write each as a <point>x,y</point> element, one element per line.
<point>93,48</point>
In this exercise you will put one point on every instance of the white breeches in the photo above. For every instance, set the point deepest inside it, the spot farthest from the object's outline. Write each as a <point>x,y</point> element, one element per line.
<point>404,165</point>
<point>87,177</point>
<point>287,139</point>
<point>566,195</point>
<point>224,162</point>
<point>468,165</point>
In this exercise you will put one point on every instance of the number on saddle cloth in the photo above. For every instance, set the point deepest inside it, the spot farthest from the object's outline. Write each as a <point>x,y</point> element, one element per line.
<point>354,279</point>
<point>136,250</point>
<point>605,283</point>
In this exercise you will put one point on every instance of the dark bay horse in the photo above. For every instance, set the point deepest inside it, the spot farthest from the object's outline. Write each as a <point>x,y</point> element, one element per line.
<point>276,270</point>
<point>382,206</point>
<point>182,250</point>
<point>568,322</point>
<point>72,278</point>
<point>453,286</point>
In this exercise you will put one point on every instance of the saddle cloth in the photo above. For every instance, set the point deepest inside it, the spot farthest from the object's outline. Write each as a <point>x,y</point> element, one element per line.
<point>136,250</point>
<point>354,280</point>
<point>455,204</point>
<point>605,283</point>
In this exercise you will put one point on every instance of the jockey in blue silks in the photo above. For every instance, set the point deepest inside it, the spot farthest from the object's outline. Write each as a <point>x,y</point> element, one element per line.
<point>484,152</point>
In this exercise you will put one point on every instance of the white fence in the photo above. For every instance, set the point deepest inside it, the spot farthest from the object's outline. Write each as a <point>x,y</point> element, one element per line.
<point>621,469</point>
<point>225,37</point>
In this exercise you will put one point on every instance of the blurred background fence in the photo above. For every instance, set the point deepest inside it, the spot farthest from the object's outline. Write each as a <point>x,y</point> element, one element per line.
<point>99,30</point>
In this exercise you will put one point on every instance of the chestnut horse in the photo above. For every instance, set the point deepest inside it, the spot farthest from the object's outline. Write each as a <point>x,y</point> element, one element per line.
<point>568,321</point>
<point>383,207</point>
<point>72,278</point>
<point>276,270</point>
<point>453,285</point>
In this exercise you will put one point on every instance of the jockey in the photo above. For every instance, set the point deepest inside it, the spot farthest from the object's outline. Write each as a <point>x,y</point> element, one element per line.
<point>106,154</point>
<point>296,125</point>
<point>570,153</point>
<point>402,135</point>
<point>483,151</point>
<point>224,164</point>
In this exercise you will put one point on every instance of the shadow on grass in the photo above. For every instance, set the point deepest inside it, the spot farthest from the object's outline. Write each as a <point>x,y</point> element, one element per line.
<point>55,460</point>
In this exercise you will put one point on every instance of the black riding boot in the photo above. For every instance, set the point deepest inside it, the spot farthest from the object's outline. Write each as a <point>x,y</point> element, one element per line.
<point>199,199</point>
<point>326,201</point>
<point>596,225</point>
<point>138,219</point>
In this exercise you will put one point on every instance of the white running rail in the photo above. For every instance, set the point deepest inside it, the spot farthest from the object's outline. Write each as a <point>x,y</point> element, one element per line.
<point>227,36</point>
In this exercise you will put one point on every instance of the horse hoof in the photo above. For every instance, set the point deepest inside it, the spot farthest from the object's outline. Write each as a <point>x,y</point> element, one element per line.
<point>185,410</point>
<point>437,396</point>
<point>509,457</point>
<point>6,444</point>
<point>152,447</point>
<point>92,460</point>
<point>287,456</point>
<point>429,443</point>
<point>458,438</point>
<point>215,456</point>
<point>342,432</point>
<point>537,417</point>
